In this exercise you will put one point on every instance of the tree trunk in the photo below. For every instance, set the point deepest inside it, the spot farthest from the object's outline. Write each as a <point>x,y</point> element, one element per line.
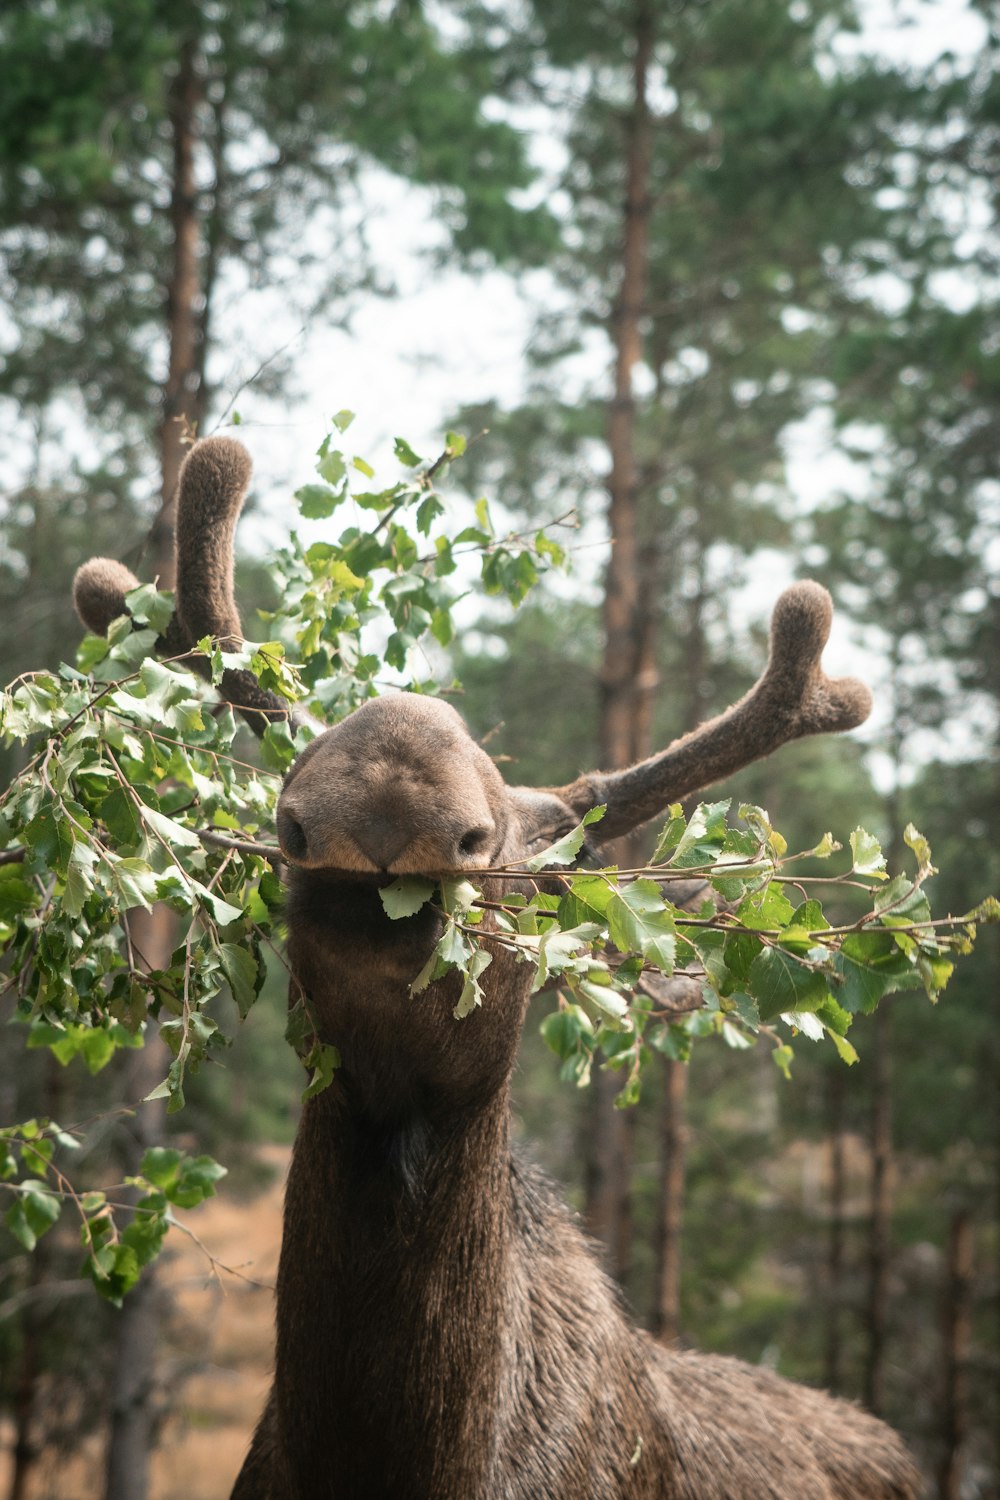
<point>673,1140</point>
<point>133,1394</point>
<point>673,1108</point>
<point>33,1320</point>
<point>608,1196</point>
<point>133,1397</point>
<point>833,1375</point>
<point>880,1231</point>
<point>180,406</point>
<point>957,1336</point>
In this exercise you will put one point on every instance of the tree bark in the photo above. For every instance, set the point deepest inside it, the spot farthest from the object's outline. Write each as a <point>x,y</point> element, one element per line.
<point>880,1231</point>
<point>673,1142</point>
<point>180,404</point>
<point>673,1107</point>
<point>957,1339</point>
<point>37,1311</point>
<point>608,1195</point>
<point>833,1375</point>
<point>133,1399</point>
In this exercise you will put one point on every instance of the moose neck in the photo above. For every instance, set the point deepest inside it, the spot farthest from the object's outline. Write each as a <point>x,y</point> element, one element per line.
<point>393,1261</point>
<point>398,1215</point>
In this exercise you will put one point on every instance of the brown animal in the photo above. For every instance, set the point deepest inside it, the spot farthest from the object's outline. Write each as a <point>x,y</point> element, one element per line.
<point>444,1329</point>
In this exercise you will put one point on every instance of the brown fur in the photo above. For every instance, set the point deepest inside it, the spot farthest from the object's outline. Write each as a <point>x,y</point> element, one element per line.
<point>445,1331</point>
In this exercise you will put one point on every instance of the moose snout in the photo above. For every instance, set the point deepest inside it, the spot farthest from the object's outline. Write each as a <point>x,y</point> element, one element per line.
<point>291,836</point>
<point>384,840</point>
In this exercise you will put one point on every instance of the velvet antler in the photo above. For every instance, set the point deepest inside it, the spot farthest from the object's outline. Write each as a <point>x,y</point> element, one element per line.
<point>794,697</point>
<point>212,487</point>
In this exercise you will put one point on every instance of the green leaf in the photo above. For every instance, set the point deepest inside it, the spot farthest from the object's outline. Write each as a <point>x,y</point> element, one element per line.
<point>565,850</point>
<point>558,949</point>
<point>704,836</point>
<point>324,1060</point>
<point>564,1031</point>
<point>79,879</point>
<point>242,974</point>
<point>827,845</point>
<point>133,881</point>
<point>915,840</point>
<point>172,832</point>
<point>458,896</point>
<point>161,1166</point>
<point>117,813</point>
<point>810,916</point>
<point>17,895</point>
<point>472,994</point>
<point>405,453</point>
<point>196,1181</point>
<point>870,964</point>
<point>149,607</point>
<point>803,1020</point>
<point>406,895</point>
<point>868,856</point>
<point>765,911</point>
<point>34,1212</point>
<point>670,834</point>
<point>778,982</point>
<point>317,501</point>
<point>223,912</point>
<point>612,1006</point>
<point>115,1271</point>
<point>332,468</point>
<point>733,1037</point>
<point>844,1048</point>
<point>98,1046</point>
<point>342,419</point>
<point>638,921</point>
<point>901,903</point>
<point>277,745</point>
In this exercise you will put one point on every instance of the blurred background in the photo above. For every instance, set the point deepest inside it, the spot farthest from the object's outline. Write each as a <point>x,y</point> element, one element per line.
<point>720,278</point>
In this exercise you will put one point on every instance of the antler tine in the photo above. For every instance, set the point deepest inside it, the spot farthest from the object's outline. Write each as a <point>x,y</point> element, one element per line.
<point>793,698</point>
<point>99,589</point>
<point>213,483</point>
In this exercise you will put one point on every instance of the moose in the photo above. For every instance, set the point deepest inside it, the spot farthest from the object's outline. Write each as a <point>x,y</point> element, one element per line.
<point>444,1329</point>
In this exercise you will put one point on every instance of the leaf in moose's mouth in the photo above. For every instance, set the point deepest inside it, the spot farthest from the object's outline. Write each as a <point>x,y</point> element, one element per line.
<point>406,895</point>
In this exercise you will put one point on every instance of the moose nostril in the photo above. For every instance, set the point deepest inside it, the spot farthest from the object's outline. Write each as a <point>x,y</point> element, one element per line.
<point>474,842</point>
<point>292,836</point>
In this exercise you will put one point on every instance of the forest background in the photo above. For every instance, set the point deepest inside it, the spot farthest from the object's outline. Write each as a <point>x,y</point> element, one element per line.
<point>720,280</point>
